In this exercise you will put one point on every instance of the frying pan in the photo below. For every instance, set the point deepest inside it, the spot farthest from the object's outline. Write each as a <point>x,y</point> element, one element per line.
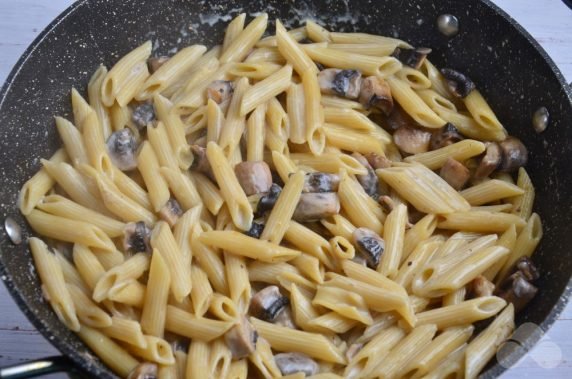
<point>510,68</point>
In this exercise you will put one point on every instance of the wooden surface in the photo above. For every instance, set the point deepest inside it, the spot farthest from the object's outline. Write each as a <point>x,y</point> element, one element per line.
<point>549,21</point>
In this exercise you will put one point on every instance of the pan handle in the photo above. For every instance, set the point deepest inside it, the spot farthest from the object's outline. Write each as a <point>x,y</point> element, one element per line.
<point>39,367</point>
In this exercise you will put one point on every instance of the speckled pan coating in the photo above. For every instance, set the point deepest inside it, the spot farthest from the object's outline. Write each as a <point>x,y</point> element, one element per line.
<point>509,67</point>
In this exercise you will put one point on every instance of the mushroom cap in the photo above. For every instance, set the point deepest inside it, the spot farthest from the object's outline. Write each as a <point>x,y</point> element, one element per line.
<point>268,303</point>
<point>334,81</point>
<point>369,245</point>
<point>137,237</point>
<point>455,173</point>
<point>316,206</point>
<point>489,162</point>
<point>143,115</point>
<point>514,154</point>
<point>255,230</point>
<point>320,182</point>
<point>121,147</point>
<point>267,201</point>
<point>220,91</point>
<point>459,84</point>
<point>445,136</point>
<point>292,363</point>
<point>375,92</point>
<point>411,57</point>
<point>254,177</point>
<point>144,370</point>
<point>412,140</point>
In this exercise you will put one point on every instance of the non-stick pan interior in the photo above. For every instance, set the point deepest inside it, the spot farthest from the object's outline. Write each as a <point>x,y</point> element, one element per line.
<point>515,76</point>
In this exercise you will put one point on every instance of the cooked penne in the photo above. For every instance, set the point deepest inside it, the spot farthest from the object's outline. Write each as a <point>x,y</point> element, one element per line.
<point>155,306</point>
<point>187,325</point>
<point>361,209</point>
<point>393,235</point>
<point>239,48</point>
<point>490,191</point>
<point>266,89</point>
<point>233,30</point>
<point>459,151</point>
<point>480,221</point>
<point>294,53</point>
<point>314,119</point>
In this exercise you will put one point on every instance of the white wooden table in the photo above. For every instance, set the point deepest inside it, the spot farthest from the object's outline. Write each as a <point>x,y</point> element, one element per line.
<point>549,21</point>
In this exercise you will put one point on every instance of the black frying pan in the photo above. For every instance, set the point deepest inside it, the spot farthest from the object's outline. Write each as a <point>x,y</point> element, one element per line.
<point>510,68</point>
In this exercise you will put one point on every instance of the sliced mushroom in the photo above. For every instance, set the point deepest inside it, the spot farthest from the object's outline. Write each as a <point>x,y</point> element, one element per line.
<point>220,91</point>
<point>459,84</point>
<point>267,201</point>
<point>455,173</point>
<point>292,363</point>
<point>397,119</point>
<point>514,154</point>
<point>345,83</point>
<point>254,177</point>
<point>412,57</point>
<point>412,140</point>
<point>255,230</point>
<point>445,136</point>
<point>517,290</point>
<point>489,162</point>
<point>369,181</point>
<point>268,303</point>
<point>481,286</point>
<point>316,206</point>
<point>144,370</point>
<point>320,182</point>
<point>143,115</point>
<point>155,62</point>
<point>171,212</point>
<point>377,161</point>
<point>137,237</point>
<point>375,92</point>
<point>369,245</point>
<point>200,161</point>
<point>121,147</point>
<point>527,268</point>
<point>241,339</point>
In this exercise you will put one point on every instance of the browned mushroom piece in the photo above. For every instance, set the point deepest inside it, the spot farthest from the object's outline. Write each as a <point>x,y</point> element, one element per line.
<point>268,303</point>
<point>514,154</point>
<point>445,136</point>
<point>346,83</point>
<point>375,92</point>
<point>320,182</point>
<point>200,161</point>
<point>411,57</point>
<point>369,245</point>
<point>137,237</point>
<point>316,206</point>
<point>489,162</point>
<point>220,91</point>
<point>255,230</point>
<point>143,115</point>
<point>517,290</point>
<point>397,119</point>
<point>266,202</point>
<point>377,161</point>
<point>527,268</point>
<point>145,370</point>
<point>412,140</point>
<point>459,84</point>
<point>254,177</point>
<point>292,363</point>
<point>121,147</point>
<point>455,173</point>
<point>369,181</point>
<point>241,339</point>
<point>170,212</point>
<point>481,286</point>
<point>155,62</point>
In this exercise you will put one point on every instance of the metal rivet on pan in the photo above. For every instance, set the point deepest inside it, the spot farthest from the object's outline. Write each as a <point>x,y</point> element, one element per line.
<point>13,230</point>
<point>540,119</point>
<point>448,25</point>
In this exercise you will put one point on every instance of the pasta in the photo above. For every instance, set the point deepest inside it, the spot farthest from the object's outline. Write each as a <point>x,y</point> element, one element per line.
<point>275,216</point>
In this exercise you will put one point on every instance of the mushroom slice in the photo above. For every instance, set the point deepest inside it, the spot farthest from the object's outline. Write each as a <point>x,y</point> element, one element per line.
<point>200,161</point>
<point>144,370</point>
<point>255,230</point>
<point>412,140</point>
<point>254,177</point>
<point>375,92</point>
<point>481,286</point>
<point>411,57</point>
<point>155,62</point>
<point>455,173</point>
<point>267,201</point>
<point>527,268</point>
<point>517,290</point>
<point>377,161</point>
<point>445,136</point>
<point>459,84</point>
<point>369,181</point>
<point>369,245</point>
<point>316,206</point>
<point>320,182</point>
<point>137,237</point>
<point>220,91</point>
<point>143,115</point>
<point>292,363</point>
<point>170,212</point>
<point>268,303</point>
<point>489,162</point>
<point>121,147</point>
<point>514,154</point>
<point>345,83</point>
<point>241,339</point>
